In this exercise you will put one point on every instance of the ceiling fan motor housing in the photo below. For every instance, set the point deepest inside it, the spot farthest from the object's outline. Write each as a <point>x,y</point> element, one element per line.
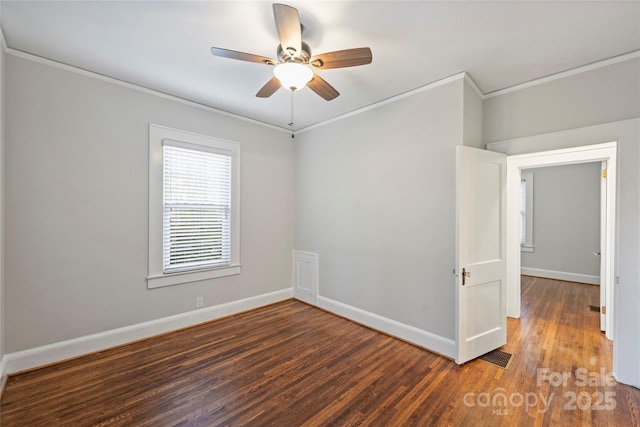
<point>290,55</point>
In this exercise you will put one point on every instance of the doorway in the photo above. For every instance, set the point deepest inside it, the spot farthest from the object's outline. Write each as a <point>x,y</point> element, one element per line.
<point>605,153</point>
<point>564,215</point>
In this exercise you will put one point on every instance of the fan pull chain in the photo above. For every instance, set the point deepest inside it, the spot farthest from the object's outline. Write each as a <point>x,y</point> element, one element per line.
<point>291,124</point>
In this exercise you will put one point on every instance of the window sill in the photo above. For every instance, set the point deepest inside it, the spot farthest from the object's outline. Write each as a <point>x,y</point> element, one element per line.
<point>162,280</point>
<point>524,248</point>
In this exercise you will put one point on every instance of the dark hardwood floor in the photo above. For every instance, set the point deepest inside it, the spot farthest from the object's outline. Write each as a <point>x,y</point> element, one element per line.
<point>290,364</point>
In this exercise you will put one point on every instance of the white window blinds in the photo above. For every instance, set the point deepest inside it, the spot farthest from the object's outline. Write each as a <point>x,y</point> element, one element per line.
<point>196,207</point>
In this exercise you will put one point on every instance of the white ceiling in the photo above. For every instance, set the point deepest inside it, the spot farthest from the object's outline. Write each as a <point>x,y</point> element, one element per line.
<point>164,45</point>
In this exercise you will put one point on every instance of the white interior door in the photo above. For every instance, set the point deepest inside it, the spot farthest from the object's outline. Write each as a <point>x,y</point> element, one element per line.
<point>481,316</point>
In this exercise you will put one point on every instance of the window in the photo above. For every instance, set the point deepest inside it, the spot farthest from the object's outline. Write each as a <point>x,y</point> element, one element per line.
<point>196,206</point>
<point>526,212</point>
<point>193,207</point>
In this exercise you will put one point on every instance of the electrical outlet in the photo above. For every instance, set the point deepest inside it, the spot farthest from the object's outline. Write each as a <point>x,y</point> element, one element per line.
<point>199,302</point>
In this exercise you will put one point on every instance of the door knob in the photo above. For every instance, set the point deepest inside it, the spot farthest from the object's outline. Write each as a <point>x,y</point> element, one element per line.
<point>465,274</point>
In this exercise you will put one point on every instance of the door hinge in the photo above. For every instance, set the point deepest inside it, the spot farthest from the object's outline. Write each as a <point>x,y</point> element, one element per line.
<point>604,173</point>
<point>603,309</point>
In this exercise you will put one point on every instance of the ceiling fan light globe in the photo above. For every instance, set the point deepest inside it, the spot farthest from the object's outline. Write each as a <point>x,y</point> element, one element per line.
<point>293,76</point>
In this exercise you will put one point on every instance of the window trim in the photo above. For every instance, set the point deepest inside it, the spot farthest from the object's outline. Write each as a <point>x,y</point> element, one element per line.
<point>527,246</point>
<point>156,277</point>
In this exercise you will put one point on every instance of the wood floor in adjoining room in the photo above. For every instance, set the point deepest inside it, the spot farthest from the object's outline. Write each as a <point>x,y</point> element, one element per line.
<point>290,364</point>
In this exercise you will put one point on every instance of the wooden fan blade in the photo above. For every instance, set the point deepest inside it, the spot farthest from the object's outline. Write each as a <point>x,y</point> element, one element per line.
<point>342,58</point>
<point>232,54</point>
<point>269,89</point>
<point>289,29</point>
<point>322,88</point>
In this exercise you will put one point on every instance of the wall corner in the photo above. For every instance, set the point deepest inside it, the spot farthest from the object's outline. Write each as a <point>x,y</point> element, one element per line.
<point>472,114</point>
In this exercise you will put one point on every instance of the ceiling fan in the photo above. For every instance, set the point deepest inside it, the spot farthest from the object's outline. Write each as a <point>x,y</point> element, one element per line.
<point>295,65</point>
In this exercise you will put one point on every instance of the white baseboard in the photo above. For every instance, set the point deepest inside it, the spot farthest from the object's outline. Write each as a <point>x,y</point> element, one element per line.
<point>56,352</point>
<point>561,275</point>
<point>427,340</point>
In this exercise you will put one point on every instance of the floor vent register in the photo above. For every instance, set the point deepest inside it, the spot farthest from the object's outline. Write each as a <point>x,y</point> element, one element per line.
<point>498,358</point>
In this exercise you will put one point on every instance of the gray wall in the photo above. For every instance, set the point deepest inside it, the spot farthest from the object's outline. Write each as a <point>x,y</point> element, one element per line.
<point>472,118</point>
<point>602,95</point>
<point>375,198</point>
<point>76,188</point>
<point>606,94</point>
<point>566,219</point>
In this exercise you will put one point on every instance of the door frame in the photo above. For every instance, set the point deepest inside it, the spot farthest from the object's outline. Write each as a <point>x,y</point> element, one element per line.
<point>585,154</point>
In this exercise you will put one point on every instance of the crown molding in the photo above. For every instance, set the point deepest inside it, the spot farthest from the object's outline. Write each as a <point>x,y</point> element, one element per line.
<point>102,77</point>
<point>473,85</point>
<point>466,76</point>
<point>568,73</point>
<point>462,75</point>
<point>429,86</point>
